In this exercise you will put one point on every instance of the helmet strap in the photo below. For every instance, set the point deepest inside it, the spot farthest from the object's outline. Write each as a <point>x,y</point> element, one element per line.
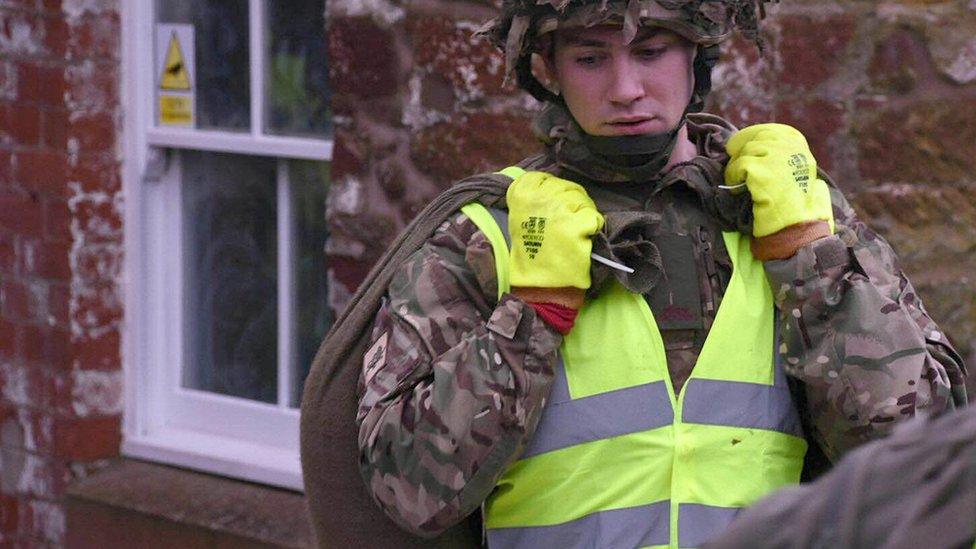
<point>528,82</point>
<point>705,60</point>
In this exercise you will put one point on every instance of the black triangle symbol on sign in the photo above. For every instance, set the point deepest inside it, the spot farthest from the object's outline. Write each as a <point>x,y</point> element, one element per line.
<point>175,75</point>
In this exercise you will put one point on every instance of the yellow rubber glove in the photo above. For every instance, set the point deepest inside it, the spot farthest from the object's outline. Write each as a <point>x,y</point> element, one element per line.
<point>551,221</point>
<point>775,163</point>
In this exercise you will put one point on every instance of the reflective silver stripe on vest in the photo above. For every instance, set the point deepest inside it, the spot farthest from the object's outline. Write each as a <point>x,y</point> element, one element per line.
<point>738,404</point>
<point>698,524</point>
<point>567,422</point>
<point>630,527</point>
<point>560,385</point>
<point>501,219</point>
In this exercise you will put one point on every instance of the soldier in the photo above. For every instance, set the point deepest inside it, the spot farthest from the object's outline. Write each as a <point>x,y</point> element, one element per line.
<point>916,488</point>
<point>735,310</point>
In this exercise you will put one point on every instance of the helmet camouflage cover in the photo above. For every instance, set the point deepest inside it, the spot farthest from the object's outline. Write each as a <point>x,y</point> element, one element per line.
<point>704,22</point>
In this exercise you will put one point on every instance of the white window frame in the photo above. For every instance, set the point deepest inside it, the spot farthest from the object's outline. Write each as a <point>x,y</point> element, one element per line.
<point>163,421</point>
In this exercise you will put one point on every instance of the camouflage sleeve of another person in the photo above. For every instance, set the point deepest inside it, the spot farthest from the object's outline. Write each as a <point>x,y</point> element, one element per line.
<point>856,334</point>
<point>453,383</point>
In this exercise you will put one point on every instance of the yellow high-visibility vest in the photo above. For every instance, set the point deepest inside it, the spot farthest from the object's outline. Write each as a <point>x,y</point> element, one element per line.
<point>617,460</point>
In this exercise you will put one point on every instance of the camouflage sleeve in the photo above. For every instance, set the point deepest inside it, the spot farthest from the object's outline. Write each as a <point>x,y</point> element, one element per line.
<point>857,336</point>
<point>453,383</point>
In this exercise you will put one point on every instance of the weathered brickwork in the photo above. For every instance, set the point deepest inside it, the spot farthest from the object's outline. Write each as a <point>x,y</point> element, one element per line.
<point>60,254</point>
<point>884,91</point>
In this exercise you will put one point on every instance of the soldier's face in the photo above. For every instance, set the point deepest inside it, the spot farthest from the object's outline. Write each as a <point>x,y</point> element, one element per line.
<point>614,88</point>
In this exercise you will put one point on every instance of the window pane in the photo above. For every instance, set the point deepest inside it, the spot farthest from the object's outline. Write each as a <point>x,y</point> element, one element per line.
<point>230,275</point>
<point>297,81</point>
<point>309,183</point>
<point>222,58</point>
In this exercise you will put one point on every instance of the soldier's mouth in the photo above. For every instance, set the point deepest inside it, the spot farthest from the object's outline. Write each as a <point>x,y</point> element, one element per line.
<point>631,125</point>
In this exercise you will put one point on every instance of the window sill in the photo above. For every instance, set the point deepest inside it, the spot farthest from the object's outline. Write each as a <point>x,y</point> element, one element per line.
<point>138,504</point>
<point>269,464</point>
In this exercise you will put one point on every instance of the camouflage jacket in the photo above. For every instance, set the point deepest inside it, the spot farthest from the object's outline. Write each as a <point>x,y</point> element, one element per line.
<point>454,382</point>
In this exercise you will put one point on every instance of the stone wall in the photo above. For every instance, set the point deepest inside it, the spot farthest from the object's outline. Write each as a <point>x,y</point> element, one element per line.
<point>885,91</point>
<point>60,253</point>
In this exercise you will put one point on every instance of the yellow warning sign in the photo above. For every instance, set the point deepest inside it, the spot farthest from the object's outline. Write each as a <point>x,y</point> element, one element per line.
<point>175,110</point>
<point>175,76</point>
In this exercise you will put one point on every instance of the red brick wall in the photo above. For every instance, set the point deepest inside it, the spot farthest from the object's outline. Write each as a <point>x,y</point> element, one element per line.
<point>886,93</point>
<point>60,253</point>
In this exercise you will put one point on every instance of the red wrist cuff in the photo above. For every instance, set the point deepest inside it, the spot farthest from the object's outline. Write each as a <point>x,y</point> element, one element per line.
<point>559,317</point>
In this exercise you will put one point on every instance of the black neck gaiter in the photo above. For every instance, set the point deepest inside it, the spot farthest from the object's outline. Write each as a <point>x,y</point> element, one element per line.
<point>612,159</point>
<point>642,157</point>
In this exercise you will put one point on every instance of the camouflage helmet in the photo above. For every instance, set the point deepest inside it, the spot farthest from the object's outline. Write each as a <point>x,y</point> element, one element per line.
<point>704,22</point>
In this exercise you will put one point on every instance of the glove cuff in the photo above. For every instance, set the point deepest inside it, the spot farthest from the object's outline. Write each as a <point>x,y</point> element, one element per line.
<point>784,243</point>
<point>556,316</point>
<point>567,297</point>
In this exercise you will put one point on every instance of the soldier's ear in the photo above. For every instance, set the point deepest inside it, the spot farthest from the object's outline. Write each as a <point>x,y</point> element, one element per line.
<point>544,71</point>
<point>544,63</point>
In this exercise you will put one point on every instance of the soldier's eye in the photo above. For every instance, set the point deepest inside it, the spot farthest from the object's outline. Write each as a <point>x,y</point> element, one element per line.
<point>588,60</point>
<point>652,52</point>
